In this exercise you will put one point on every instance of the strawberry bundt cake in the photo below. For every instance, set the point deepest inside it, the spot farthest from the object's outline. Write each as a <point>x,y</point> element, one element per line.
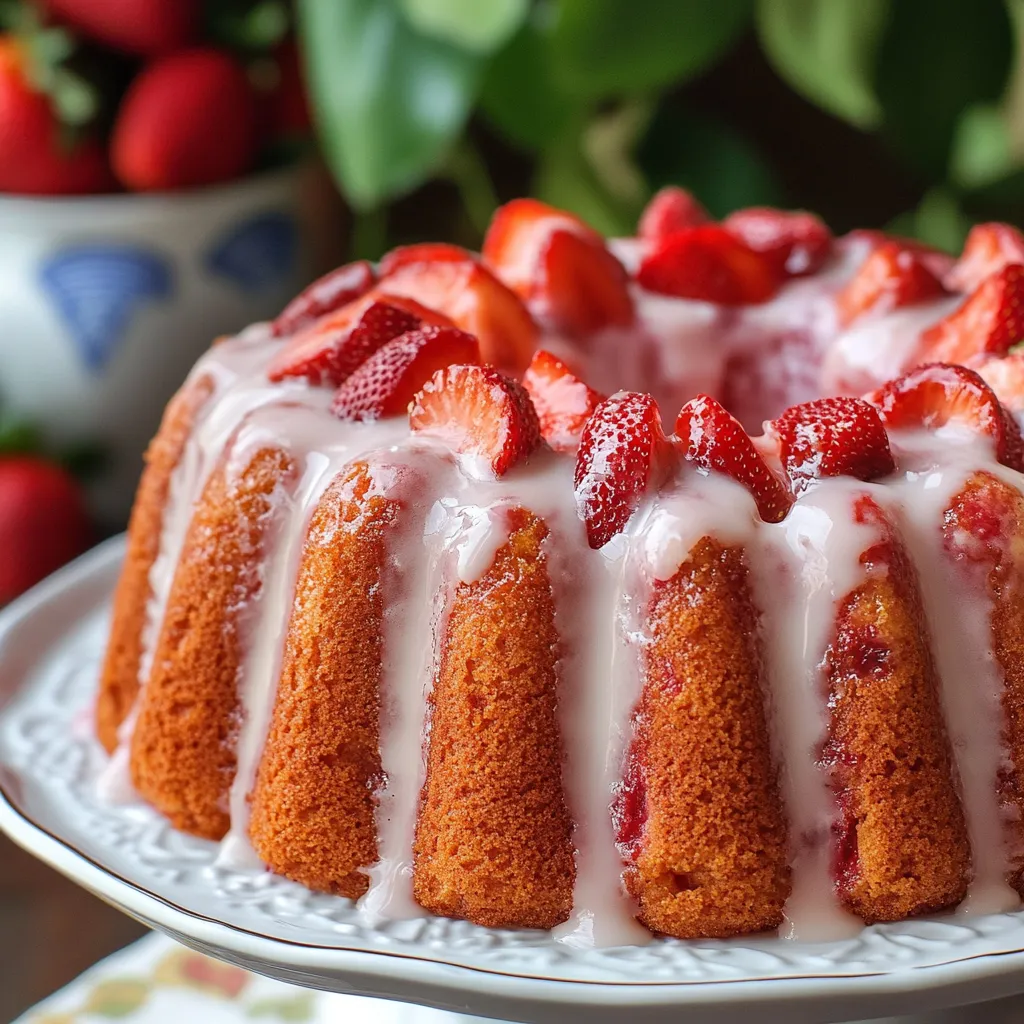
<point>422,609</point>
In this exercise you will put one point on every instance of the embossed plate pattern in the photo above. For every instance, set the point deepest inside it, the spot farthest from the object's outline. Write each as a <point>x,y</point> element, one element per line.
<point>50,646</point>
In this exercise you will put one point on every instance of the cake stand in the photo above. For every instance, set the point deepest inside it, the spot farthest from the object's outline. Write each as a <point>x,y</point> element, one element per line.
<point>51,643</point>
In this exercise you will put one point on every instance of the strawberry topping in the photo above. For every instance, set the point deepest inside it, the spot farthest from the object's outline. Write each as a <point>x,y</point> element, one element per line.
<point>988,323</point>
<point>936,395</point>
<point>563,402</point>
<point>832,437</point>
<point>422,252</point>
<point>480,413</point>
<point>671,209</point>
<point>560,266</point>
<point>711,438</point>
<point>388,381</point>
<point>468,293</point>
<point>797,242</point>
<point>988,249</point>
<point>332,348</point>
<point>891,277</point>
<point>623,452</point>
<point>330,292</point>
<point>1006,378</point>
<point>710,264</point>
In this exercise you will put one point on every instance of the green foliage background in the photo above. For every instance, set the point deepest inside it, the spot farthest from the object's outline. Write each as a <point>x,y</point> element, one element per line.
<point>591,104</point>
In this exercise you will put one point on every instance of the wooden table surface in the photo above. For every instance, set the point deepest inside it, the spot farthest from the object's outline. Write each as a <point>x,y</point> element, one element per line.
<point>50,930</point>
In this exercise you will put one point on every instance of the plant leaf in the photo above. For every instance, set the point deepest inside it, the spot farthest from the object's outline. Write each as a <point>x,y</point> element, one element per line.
<point>604,47</point>
<point>981,147</point>
<point>387,101</point>
<point>480,26</point>
<point>935,62</point>
<point>937,221</point>
<point>826,50</point>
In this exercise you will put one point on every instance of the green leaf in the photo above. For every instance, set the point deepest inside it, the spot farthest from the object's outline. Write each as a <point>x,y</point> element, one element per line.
<point>604,47</point>
<point>708,157</point>
<point>248,25</point>
<point>937,221</point>
<point>826,50</point>
<point>480,26</point>
<point>981,147</point>
<point>521,96</point>
<point>937,59</point>
<point>18,437</point>
<point>388,101</point>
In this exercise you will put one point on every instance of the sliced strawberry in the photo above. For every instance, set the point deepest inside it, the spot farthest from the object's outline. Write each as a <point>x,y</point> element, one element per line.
<point>422,252</point>
<point>798,242</point>
<point>938,262</point>
<point>988,323</point>
<point>832,437</point>
<point>563,402</point>
<point>891,277</point>
<point>388,381</point>
<point>988,249</point>
<point>560,266</point>
<point>330,292</point>
<point>479,413</point>
<point>468,293</point>
<point>937,394</point>
<point>712,265</point>
<point>622,453</point>
<point>1006,378</point>
<point>329,350</point>
<point>712,439</point>
<point>671,209</point>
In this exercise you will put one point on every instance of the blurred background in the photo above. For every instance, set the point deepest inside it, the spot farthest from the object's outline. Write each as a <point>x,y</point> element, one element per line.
<point>171,170</point>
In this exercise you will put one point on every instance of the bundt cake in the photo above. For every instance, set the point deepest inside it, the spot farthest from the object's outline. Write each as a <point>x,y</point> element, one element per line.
<point>422,609</point>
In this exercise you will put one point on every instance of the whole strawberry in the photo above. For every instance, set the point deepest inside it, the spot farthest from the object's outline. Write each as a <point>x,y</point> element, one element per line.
<point>145,27</point>
<point>188,119</point>
<point>43,522</point>
<point>34,157</point>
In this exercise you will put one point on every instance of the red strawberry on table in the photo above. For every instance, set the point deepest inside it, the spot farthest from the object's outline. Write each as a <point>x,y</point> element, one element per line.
<point>936,395</point>
<point>710,264</point>
<point>145,27</point>
<point>328,293</point>
<point>988,249</point>
<point>330,349</point>
<point>832,437</point>
<point>563,402</point>
<point>34,160</point>
<point>988,323</point>
<point>188,119</point>
<point>623,452</point>
<point>43,522</point>
<point>387,382</point>
<point>671,209</point>
<point>560,266</point>
<point>479,413</point>
<point>712,439</point>
<point>796,241</point>
<point>891,277</point>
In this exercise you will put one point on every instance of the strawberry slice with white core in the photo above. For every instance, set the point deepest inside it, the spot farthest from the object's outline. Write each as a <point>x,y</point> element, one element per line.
<point>560,266</point>
<point>938,395</point>
<point>328,293</point>
<point>797,241</point>
<point>989,323</point>
<point>671,209</point>
<point>388,381</point>
<point>623,453</point>
<point>988,249</point>
<point>832,437</point>
<point>471,296</point>
<point>483,416</point>
<point>333,347</point>
<point>563,402</point>
<point>709,264</point>
<point>1006,378</point>
<point>938,262</point>
<point>422,252</point>
<point>712,439</point>
<point>891,277</point>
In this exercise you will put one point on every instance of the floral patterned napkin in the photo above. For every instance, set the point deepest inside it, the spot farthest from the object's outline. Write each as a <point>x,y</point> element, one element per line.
<point>156,981</point>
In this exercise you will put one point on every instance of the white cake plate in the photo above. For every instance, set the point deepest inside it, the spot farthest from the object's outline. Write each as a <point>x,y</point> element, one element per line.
<point>51,642</point>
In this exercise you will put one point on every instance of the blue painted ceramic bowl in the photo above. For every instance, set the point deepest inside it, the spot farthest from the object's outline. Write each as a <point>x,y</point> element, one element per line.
<point>106,301</point>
